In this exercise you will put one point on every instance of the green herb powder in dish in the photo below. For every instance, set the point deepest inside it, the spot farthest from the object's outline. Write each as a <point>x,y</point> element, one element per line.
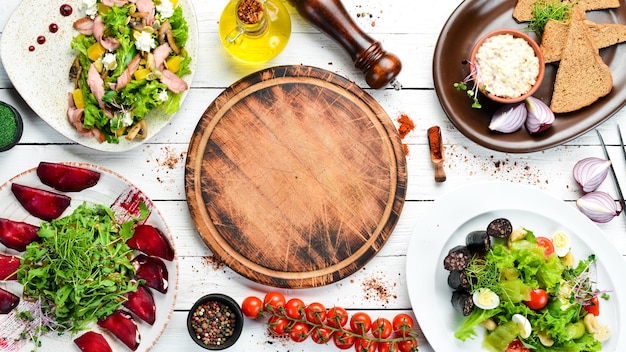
<point>9,129</point>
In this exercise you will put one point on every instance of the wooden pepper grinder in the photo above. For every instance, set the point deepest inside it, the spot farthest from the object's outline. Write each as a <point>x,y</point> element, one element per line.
<point>379,66</point>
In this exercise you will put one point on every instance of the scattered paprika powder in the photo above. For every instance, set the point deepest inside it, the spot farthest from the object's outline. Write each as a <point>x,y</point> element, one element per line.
<point>406,126</point>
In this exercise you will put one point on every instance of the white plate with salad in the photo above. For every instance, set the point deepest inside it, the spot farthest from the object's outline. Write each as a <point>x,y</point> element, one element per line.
<point>471,208</point>
<point>112,191</point>
<point>38,52</point>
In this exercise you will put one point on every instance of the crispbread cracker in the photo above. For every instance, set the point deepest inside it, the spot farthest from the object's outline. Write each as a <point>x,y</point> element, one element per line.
<point>523,10</point>
<point>582,77</point>
<point>555,36</point>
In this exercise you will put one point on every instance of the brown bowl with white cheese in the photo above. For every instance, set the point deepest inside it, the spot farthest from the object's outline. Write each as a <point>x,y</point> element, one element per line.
<point>509,65</point>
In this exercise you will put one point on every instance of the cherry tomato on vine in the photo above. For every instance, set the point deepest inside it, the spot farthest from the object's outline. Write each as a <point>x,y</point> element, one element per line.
<point>407,345</point>
<point>299,331</point>
<point>277,325</point>
<point>294,308</point>
<point>321,335</point>
<point>516,346</point>
<point>343,340</point>
<point>273,300</point>
<point>364,345</point>
<point>381,328</point>
<point>593,306</point>
<point>538,299</point>
<point>402,325</point>
<point>546,244</point>
<point>315,313</point>
<point>388,346</point>
<point>251,307</point>
<point>336,317</point>
<point>360,322</point>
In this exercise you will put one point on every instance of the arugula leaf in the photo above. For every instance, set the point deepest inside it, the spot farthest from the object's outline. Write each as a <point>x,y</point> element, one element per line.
<point>81,268</point>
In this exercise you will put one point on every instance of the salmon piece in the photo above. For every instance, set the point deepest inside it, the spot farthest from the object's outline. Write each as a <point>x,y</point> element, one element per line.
<point>173,82</point>
<point>96,84</point>
<point>127,75</point>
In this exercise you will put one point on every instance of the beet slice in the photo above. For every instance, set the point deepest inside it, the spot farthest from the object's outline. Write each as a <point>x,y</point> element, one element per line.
<point>91,341</point>
<point>8,267</point>
<point>152,242</point>
<point>153,271</point>
<point>8,301</point>
<point>124,327</point>
<point>40,203</point>
<point>66,178</point>
<point>141,303</point>
<point>17,235</point>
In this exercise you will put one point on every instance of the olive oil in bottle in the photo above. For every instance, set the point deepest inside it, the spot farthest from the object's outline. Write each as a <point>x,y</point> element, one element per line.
<point>255,30</point>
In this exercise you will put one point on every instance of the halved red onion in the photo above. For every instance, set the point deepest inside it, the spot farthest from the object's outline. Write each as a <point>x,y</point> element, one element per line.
<point>598,206</point>
<point>540,117</point>
<point>590,172</point>
<point>509,118</point>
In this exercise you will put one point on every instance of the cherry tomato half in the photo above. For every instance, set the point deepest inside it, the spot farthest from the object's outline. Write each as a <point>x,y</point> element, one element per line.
<point>277,325</point>
<point>343,340</point>
<point>294,308</point>
<point>364,345</point>
<point>516,346</point>
<point>546,244</point>
<point>273,300</point>
<point>251,307</point>
<point>381,328</point>
<point>407,345</point>
<point>299,331</point>
<point>321,335</point>
<point>402,325</point>
<point>593,306</point>
<point>538,299</point>
<point>315,313</point>
<point>336,317</point>
<point>360,322</point>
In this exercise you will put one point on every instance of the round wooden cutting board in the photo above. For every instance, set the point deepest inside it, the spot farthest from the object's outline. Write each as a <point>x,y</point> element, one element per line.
<point>295,177</point>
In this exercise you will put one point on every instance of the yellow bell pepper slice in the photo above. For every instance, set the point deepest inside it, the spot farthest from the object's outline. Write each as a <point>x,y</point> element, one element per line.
<point>95,51</point>
<point>173,63</point>
<point>141,73</point>
<point>79,101</point>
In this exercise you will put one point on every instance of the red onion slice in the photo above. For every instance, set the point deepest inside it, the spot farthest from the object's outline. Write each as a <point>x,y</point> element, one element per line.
<point>590,172</point>
<point>540,117</point>
<point>598,206</point>
<point>509,118</point>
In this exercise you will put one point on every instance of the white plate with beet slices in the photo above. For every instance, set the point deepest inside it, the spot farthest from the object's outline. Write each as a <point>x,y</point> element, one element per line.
<point>114,191</point>
<point>41,76</point>
<point>470,208</point>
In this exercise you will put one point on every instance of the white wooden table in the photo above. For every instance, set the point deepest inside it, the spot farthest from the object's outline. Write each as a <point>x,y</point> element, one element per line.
<point>158,166</point>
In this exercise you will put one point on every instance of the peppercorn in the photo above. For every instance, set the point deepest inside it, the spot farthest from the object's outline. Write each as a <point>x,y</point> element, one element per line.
<point>10,126</point>
<point>213,323</point>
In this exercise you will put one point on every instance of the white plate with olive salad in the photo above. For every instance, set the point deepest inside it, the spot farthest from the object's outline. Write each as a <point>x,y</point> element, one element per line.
<point>472,208</point>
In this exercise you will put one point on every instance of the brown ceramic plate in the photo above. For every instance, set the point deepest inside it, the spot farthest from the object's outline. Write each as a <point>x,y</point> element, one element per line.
<point>470,21</point>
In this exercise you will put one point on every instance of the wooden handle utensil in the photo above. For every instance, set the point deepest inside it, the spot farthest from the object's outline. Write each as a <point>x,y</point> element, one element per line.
<point>379,66</point>
<point>436,152</point>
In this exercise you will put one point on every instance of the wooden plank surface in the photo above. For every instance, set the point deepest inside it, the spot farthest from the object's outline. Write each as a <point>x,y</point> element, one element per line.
<point>158,168</point>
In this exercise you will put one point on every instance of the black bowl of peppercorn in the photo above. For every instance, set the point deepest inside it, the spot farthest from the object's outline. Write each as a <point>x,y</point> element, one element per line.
<point>215,322</point>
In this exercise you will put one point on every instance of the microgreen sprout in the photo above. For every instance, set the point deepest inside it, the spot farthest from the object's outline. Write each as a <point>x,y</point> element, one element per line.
<point>546,10</point>
<point>583,281</point>
<point>463,85</point>
<point>482,273</point>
